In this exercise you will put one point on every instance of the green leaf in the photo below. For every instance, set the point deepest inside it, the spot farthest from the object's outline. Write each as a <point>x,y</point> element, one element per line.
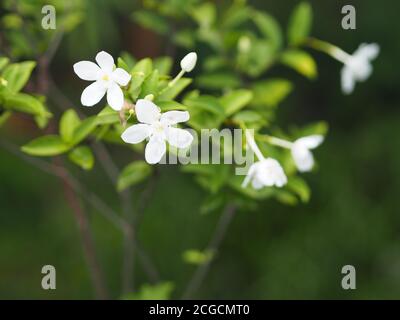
<point>160,291</point>
<point>136,84</point>
<point>170,93</point>
<point>151,20</point>
<point>220,80</point>
<point>170,105</point>
<point>236,15</point>
<point>50,145</point>
<point>26,103</point>
<point>83,130</point>
<point>144,66</point>
<point>197,257</point>
<point>206,103</point>
<point>235,100</point>
<point>271,92</point>
<point>269,27</point>
<point>320,127</point>
<point>4,117</point>
<point>259,58</point>
<point>107,116</point>
<point>3,62</point>
<point>122,64</point>
<point>300,23</point>
<point>150,85</point>
<point>300,187</point>
<point>163,65</point>
<point>68,124</point>
<point>17,75</point>
<point>204,14</point>
<point>133,173</point>
<point>83,157</point>
<point>300,61</point>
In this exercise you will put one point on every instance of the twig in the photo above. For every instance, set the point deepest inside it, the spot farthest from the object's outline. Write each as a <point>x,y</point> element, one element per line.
<point>87,239</point>
<point>93,199</point>
<point>213,247</point>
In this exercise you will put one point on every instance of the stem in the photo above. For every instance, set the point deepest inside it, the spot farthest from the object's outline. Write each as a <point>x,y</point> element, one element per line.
<point>92,198</point>
<point>252,144</point>
<point>277,141</point>
<point>175,80</point>
<point>88,246</point>
<point>328,48</point>
<point>213,246</point>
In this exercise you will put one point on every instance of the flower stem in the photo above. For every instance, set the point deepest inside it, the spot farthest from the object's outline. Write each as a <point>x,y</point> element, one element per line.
<point>252,144</point>
<point>175,80</point>
<point>328,48</point>
<point>277,141</point>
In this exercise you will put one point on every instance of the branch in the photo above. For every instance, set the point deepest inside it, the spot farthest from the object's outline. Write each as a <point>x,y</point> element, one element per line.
<point>213,246</point>
<point>87,239</point>
<point>92,198</point>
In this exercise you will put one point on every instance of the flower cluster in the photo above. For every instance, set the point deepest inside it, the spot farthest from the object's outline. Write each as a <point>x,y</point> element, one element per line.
<point>159,128</point>
<point>153,125</point>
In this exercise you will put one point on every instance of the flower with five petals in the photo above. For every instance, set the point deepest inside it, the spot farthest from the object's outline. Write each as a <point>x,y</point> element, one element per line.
<point>159,128</point>
<point>107,80</point>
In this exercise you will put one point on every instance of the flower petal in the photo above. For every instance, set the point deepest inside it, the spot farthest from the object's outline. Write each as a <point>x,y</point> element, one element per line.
<point>146,111</point>
<point>155,149</point>
<point>136,133</point>
<point>93,94</point>
<point>174,117</point>
<point>115,96</point>
<point>87,70</point>
<point>367,51</point>
<point>303,158</point>
<point>121,77</point>
<point>311,142</point>
<point>105,61</point>
<point>178,137</point>
<point>347,79</point>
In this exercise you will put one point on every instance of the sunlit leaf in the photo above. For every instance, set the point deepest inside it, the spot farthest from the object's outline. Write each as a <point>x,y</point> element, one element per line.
<point>83,157</point>
<point>50,145</point>
<point>68,123</point>
<point>271,92</point>
<point>133,173</point>
<point>300,61</point>
<point>300,23</point>
<point>235,100</point>
<point>17,75</point>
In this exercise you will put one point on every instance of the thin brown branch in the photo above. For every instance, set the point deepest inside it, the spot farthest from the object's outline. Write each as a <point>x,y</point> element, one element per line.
<point>88,246</point>
<point>213,246</point>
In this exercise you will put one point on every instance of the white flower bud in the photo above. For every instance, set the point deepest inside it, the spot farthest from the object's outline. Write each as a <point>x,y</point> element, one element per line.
<point>189,62</point>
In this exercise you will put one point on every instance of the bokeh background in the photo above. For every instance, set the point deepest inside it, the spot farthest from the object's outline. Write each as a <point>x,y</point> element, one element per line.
<point>274,252</point>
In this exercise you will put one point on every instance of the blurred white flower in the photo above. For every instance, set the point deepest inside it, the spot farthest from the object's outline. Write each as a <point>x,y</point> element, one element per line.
<point>301,153</point>
<point>357,67</point>
<point>158,128</point>
<point>265,173</point>
<point>189,62</point>
<point>106,79</point>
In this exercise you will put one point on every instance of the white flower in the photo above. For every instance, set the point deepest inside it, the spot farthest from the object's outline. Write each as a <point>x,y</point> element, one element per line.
<point>265,173</point>
<point>158,128</point>
<point>106,80</point>
<point>189,62</point>
<point>301,153</point>
<point>357,67</point>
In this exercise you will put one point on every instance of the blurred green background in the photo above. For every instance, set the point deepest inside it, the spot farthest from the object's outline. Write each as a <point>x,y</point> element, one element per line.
<point>275,252</point>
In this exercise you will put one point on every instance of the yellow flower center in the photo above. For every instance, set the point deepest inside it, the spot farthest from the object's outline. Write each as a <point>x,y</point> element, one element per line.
<point>106,77</point>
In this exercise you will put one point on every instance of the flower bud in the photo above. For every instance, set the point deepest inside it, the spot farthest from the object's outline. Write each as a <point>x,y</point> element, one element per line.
<point>189,62</point>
